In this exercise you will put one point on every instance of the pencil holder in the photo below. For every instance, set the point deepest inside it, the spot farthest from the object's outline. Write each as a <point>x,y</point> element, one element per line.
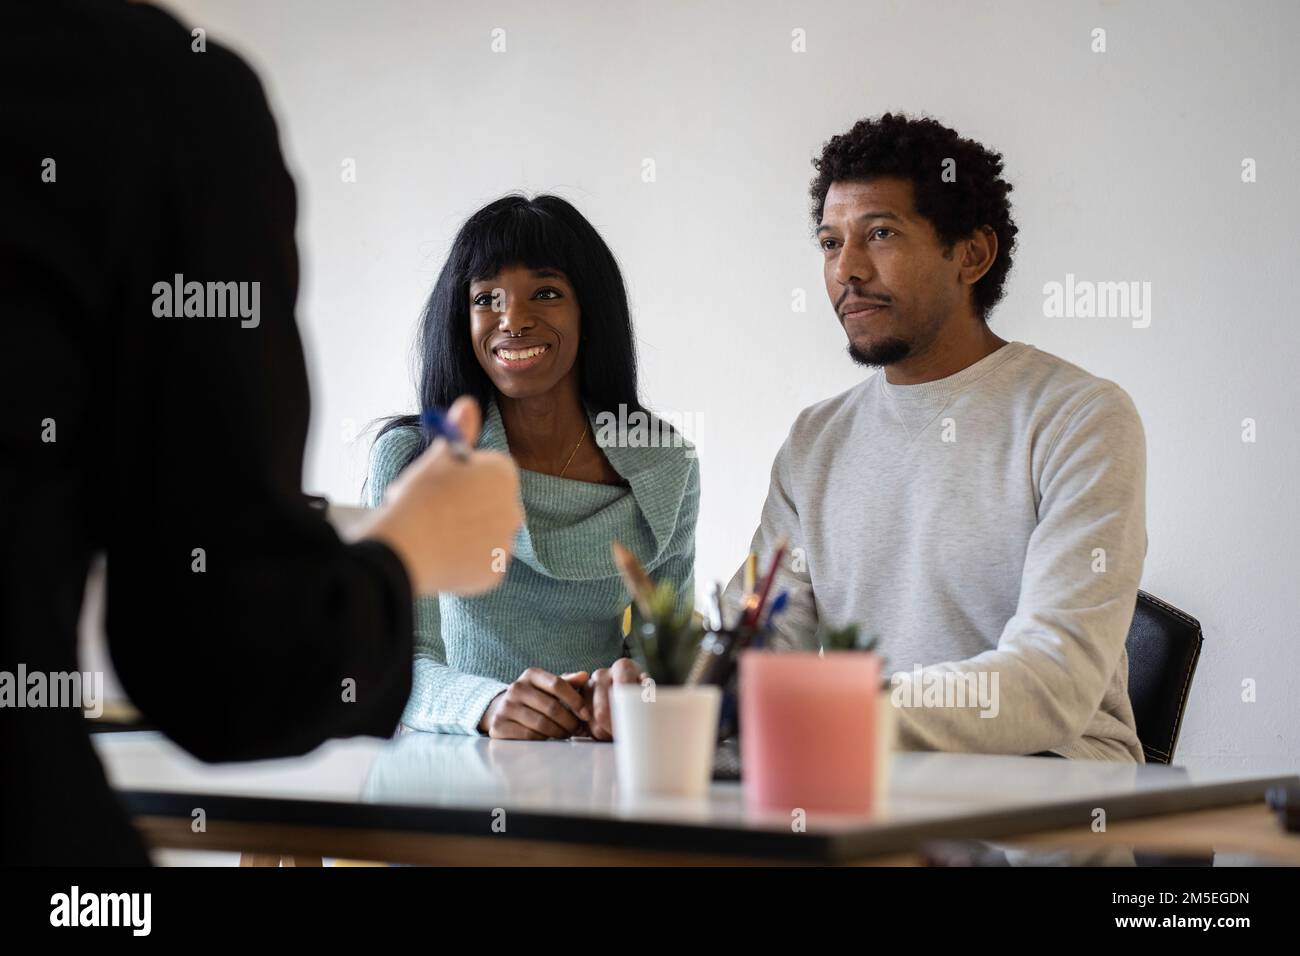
<point>715,665</point>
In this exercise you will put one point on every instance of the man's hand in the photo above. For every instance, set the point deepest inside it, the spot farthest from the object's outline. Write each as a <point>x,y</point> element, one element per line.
<point>539,705</point>
<point>596,695</point>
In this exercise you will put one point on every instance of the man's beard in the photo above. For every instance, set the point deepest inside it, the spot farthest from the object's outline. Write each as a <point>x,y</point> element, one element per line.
<point>887,351</point>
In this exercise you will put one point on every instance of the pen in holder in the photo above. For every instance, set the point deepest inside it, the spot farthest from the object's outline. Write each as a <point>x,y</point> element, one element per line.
<point>719,649</point>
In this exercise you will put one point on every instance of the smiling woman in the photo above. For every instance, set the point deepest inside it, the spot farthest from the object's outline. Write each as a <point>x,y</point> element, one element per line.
<point>530,316</point>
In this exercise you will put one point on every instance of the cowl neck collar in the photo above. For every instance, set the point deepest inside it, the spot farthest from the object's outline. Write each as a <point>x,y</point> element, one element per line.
<point>569,524</point>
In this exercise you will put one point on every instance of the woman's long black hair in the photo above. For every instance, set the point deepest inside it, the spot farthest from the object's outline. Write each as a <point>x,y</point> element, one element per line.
<point>541,233</point>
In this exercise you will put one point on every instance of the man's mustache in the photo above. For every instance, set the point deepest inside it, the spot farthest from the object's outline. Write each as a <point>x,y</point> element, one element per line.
<point>859,298</point>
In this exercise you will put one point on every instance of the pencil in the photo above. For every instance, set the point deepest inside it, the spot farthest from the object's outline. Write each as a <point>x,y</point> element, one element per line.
<point>751,573</point>
<point>755,609</point>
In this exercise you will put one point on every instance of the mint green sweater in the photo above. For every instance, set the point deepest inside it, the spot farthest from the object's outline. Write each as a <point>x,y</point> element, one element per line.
<point>561,604</point>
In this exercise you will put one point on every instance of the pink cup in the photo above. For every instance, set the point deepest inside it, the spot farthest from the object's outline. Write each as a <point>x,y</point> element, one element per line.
<point>808,730</point>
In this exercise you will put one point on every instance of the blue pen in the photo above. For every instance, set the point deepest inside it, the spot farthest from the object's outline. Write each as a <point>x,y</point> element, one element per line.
<point>437,422</point>
<point>759,639</point>
<point>777,607</point>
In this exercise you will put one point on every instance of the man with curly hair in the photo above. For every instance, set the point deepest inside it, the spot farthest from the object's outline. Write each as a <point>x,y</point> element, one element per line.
<point>978,506</point>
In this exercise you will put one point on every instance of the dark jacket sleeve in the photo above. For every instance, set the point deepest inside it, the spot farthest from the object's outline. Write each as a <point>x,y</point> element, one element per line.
<point>238,621</point>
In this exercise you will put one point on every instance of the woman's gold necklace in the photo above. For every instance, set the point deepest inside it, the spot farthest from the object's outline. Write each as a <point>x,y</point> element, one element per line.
<point>574,452</point>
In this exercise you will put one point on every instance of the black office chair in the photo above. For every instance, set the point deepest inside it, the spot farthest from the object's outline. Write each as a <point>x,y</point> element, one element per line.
<point>1164,645</point>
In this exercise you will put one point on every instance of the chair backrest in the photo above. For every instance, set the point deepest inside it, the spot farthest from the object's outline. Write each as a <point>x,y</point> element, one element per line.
<point>1164,645</point>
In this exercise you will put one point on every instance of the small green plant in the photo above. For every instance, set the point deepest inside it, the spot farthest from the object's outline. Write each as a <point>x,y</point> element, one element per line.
<point>665,644</point>
<point>848,638</point>
<point>845,638</point>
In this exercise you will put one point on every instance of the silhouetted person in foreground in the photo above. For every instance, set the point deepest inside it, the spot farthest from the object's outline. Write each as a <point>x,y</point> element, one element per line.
<point>154,407</point>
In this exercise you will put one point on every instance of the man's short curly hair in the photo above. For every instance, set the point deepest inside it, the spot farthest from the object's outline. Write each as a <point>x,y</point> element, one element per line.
<point>915,149</point>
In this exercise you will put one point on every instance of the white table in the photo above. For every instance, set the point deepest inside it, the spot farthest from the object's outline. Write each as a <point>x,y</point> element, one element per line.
<point>442,798</point>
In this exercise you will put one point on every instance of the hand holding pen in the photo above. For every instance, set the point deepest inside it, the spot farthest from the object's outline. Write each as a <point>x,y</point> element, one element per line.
<point>452,513</point>
<point>439,424</point>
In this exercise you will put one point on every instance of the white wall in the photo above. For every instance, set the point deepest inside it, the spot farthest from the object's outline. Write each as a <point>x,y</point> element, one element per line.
<point>1126,166</point>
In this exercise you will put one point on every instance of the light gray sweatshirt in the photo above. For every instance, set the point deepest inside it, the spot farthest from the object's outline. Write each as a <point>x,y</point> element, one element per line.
<point>990,529</point>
